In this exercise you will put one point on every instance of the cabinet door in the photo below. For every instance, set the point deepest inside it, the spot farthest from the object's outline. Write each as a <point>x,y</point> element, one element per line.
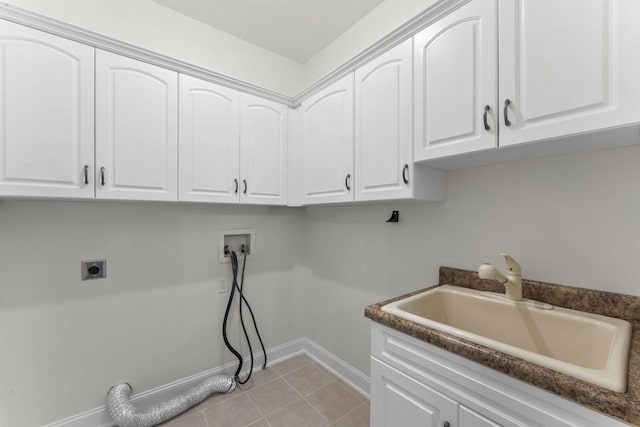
<point>46,115</point>
<point>263,151</point>
<point>469,418</point>
<point>136,129</point>
<point>383,126</point>
<point>327,143</point>
<point>398,400</point>
<point>567,67</point>
<point>456,83</point>
<point>209,142</point>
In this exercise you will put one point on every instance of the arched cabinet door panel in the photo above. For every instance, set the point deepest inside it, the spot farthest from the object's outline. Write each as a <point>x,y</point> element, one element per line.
<point>263,151</point>
<point>209,146</point>
<point>46,115</point>
<point>383,126</point>
<point>455,81</point>
<point>136,130</point>
<point>560,75</point>
<point>326,133</point>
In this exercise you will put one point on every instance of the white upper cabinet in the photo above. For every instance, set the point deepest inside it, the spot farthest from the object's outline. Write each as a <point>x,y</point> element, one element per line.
<point>263,151</point>
<point>46,115</point>
<point>209,142</point>
<point>567,67</point>
<point>233,146</point>
<point>76,122</point>
<point>456,83</point>
<point>136,129</point>
<point>383,126</point>
<point>326,135</point>
<point>564,68</point>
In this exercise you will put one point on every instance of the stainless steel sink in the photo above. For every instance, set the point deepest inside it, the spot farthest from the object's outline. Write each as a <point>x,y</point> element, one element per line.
<point>587,346</point>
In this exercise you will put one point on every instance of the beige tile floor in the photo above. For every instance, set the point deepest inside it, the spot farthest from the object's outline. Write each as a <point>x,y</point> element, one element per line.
<point>296,392</point>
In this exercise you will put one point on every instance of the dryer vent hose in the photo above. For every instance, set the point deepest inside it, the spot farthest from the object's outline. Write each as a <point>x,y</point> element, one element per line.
<point>125,414</point>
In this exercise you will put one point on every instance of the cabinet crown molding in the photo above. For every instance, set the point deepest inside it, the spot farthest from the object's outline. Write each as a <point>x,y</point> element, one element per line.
<point>53,26</point>
<point>44,23</point>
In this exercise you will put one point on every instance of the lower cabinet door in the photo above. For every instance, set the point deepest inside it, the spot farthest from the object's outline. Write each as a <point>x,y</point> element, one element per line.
<point>470,418</point>
<point>399,400</point>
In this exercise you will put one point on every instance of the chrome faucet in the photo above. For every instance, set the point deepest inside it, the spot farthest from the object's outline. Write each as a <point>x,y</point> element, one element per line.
<point>512,281</point>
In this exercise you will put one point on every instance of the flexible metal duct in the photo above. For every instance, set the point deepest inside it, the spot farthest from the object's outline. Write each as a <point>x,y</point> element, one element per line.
<point>125,414</point>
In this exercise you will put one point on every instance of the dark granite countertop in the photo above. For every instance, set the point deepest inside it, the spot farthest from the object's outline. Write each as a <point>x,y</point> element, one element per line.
<point>624,406</point>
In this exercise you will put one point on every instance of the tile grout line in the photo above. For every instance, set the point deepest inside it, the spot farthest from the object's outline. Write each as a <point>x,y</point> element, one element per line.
<point>300,394</point>
<point>307,402</point>
<point>281,376</point>
<point>344,386</point>
<point>348,413</point>
<point>336,381</point>
<point>255,406</point>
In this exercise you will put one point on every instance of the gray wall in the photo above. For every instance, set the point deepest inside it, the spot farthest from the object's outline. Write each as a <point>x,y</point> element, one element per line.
<point>568,219</point>
<point>572,219</point>
<point>155,319</point>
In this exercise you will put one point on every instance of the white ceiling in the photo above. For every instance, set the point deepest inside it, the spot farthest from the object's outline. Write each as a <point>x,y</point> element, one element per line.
<point>296,29</point>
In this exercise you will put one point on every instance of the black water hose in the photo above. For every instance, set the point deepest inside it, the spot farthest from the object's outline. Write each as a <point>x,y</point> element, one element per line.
<point>224,323</point>
<point>240,288</point>
<point>253,318</point>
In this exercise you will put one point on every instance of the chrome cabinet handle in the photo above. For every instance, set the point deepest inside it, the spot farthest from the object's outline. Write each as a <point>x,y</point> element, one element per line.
<point>347,182</point>
<point>102,176</point>
<point>484,117</point>
<point>235,181</point>
<point>506,116</point>
<point>405,174</point>
<point>86,174</point>
<point>244,181</point>
<point>445,424</point>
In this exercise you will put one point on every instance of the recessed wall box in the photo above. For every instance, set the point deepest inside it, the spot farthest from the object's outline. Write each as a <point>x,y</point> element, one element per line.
<point>236,240</point>
<point>93,269</point>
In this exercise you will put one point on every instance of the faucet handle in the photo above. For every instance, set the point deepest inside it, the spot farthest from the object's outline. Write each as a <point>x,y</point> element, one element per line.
<point>513,267</point>
<point>488,271</point>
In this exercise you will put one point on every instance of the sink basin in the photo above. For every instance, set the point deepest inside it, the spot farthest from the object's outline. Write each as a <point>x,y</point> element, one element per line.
<point>587,346</point>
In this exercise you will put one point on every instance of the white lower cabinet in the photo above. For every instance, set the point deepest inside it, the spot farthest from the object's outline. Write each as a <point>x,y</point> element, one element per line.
<point>402,401</point>
<point>470,418</point>
<point>416,384</point>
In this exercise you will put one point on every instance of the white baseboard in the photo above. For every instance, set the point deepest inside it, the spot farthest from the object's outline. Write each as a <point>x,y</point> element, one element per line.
<point>338,367</point>
<point>99,417</point>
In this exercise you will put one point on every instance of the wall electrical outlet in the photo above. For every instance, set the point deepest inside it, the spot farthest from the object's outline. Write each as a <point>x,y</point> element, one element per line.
<point>224,285</point>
